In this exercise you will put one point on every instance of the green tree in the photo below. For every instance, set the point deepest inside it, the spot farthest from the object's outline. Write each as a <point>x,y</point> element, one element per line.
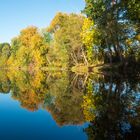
<point>115,23</point>
<point>66,29</point>
<point>5,52</point>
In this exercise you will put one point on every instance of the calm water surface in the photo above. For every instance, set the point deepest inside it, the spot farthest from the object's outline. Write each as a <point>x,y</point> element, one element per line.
<point>66,106</point>
<point>21,124</point>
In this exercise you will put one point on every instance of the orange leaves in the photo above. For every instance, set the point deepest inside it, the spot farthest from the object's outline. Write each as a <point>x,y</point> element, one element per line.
<point>26,35</point>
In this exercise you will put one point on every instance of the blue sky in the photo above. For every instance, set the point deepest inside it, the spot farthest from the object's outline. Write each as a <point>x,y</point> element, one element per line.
<point>18,14</point>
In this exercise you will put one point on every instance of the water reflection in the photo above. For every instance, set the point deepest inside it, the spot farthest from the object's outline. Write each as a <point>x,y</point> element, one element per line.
<point>110,103</point>
<point>53,92</point>
<point>114,107</point>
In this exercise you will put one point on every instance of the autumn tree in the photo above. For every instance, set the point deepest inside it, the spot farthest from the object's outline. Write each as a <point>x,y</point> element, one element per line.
<point>28,49</point>
<point>66,29</point>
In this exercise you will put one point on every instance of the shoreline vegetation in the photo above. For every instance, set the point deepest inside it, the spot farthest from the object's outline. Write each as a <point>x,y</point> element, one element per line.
<point>82,68</point>
<point>105,37</point>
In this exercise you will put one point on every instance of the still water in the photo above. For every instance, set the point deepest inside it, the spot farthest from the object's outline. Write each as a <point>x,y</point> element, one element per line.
<point>67,106</point>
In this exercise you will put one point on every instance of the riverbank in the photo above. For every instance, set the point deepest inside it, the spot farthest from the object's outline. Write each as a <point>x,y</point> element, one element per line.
<point>119,67</point>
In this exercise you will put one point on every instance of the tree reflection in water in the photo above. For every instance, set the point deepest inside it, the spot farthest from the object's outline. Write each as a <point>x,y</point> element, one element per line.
<point>115,107</point>
<point>53,92</point>
<point>109,102</point>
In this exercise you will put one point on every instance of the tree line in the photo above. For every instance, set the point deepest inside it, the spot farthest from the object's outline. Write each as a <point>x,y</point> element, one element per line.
<point>107,31</point>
